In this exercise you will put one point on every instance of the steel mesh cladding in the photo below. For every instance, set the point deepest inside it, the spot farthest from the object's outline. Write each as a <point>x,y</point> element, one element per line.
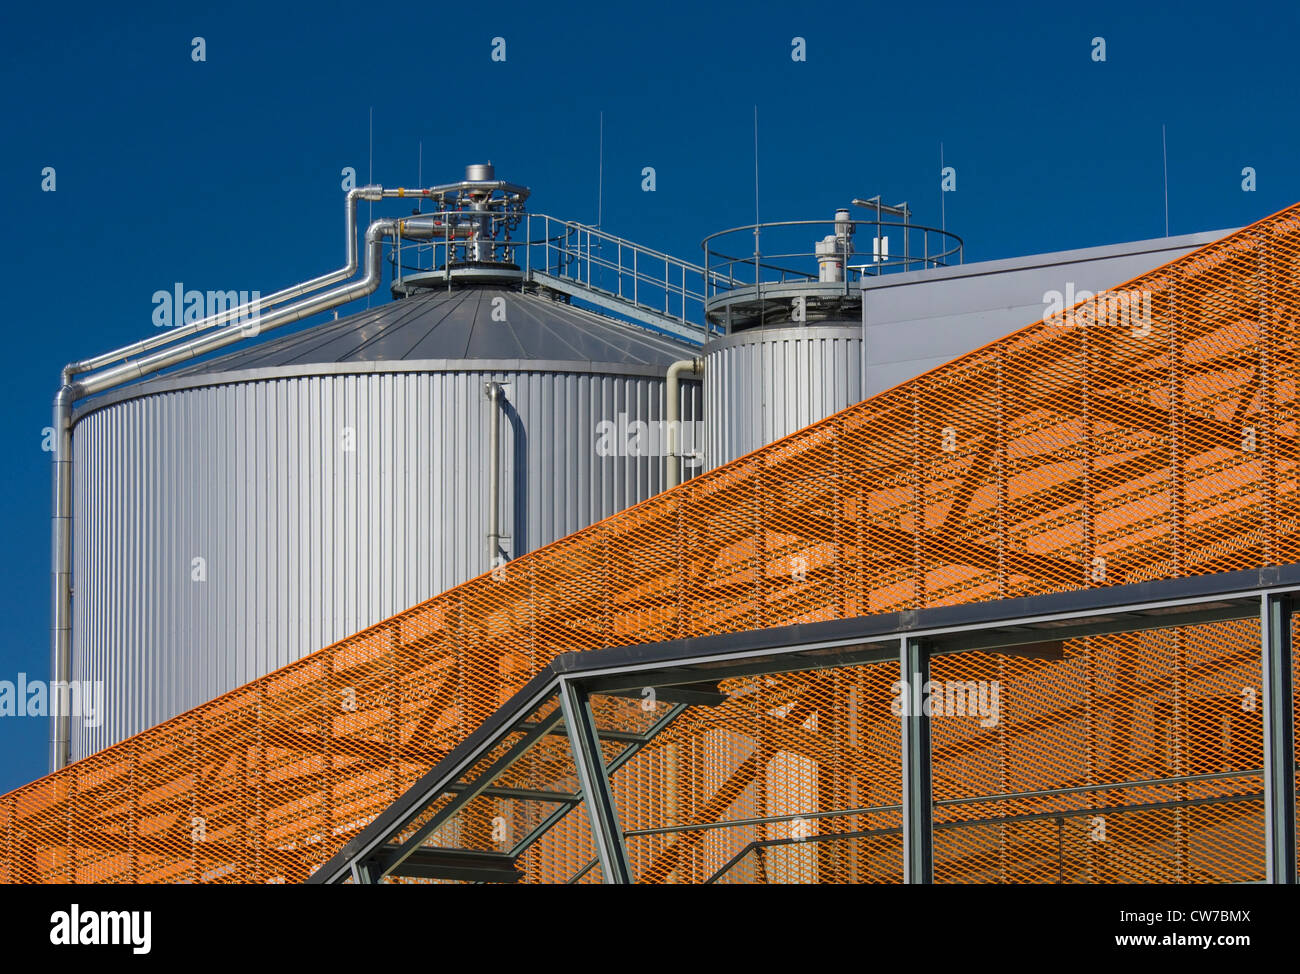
<point>273,501</point>
<point>1158,736</point>
<point>1092,451</point>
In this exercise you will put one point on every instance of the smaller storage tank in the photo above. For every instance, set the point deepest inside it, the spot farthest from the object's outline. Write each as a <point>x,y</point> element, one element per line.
<point>761,384</point>
<point>792,314</point>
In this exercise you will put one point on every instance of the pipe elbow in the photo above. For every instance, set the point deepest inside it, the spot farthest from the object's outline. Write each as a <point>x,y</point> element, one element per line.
<point>67,393</point>
<point>380,229</point>
<point>693,367</point>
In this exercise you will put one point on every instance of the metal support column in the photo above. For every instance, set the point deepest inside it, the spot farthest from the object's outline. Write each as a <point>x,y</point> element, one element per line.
<point>1279,740</point>
<point>584,742</point>
<point>918,799</point>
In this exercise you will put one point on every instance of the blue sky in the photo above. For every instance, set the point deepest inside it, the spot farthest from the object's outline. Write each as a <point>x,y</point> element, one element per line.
<point>226,173</point>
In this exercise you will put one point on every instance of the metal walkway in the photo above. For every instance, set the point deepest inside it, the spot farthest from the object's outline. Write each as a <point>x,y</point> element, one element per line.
<point>640,284</point>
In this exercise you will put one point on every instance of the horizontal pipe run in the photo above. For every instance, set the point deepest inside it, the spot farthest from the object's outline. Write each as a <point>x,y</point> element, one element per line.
<point>517,193</point>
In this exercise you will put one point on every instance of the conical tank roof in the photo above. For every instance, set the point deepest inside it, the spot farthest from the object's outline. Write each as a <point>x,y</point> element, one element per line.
<point>465,323</point>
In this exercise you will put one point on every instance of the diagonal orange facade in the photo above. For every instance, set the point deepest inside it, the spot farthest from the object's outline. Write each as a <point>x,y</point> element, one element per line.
<point>1149,435</point>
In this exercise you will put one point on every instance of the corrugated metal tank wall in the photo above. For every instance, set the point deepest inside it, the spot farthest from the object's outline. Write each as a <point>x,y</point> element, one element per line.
<point>304,541</point>
<point>764,383</point>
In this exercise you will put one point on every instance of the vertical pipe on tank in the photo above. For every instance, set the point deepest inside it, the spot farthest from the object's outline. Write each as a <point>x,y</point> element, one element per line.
<point>495,395</point>
<point>61,574</point>
<point>135,368</point>
<point>695,368</point>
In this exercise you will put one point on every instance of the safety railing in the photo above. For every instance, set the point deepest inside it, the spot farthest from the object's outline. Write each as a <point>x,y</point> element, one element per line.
<point>1044,847</point>
<point>786,252</point>
<point>551,250</point>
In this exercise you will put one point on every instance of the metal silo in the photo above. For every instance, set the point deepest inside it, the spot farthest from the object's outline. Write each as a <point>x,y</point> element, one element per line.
<point>792,316</point>
<point>235,515</point>
<point>764,383</point>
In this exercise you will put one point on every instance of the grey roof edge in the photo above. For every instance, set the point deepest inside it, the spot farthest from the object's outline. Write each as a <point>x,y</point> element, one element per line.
<point>1133,248</point>
<point>177,383</point>
<point>754,336</point>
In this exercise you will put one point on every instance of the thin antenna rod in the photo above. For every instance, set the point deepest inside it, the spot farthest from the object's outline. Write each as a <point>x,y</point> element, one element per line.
<point>419,178</point>
<point>1164,145</point>
<point>370,176</point>
<point>943,212</point>
<point>600,179</point>
<point>756,220</point>
<point>757,277</point>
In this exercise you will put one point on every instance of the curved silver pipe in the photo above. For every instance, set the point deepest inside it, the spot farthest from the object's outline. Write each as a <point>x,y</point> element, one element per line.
<point>61,574</point>
<point>172,335</point>
<point>72,389</point>
<point>212,341</point>
<point>689,368</point>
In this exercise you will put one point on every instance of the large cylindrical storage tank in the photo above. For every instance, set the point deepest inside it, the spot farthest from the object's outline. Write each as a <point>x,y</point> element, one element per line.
<point>761,384</point>
<point>238,514</point>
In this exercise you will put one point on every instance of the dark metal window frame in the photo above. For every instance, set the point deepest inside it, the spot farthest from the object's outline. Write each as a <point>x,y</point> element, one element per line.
<point>682,672</point>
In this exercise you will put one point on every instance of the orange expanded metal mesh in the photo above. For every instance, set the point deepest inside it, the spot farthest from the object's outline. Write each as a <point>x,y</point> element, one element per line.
<point>1173,716</point>
<point>1148,435</point>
